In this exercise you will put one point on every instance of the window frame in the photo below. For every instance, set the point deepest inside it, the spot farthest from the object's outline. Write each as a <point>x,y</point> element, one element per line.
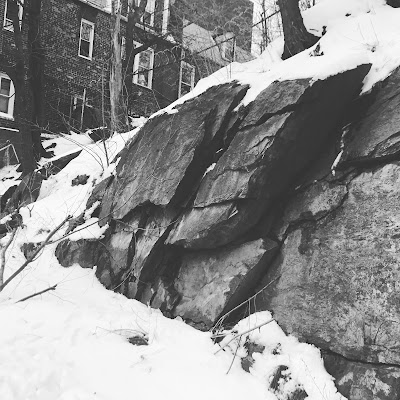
<point>10,113</point>
<point>165,17</point>
<point>9,27</point>
<point>136,65</point>
<point>223,42</point>
<point>91,42</point>
<point>151,9</point>
<point>192,77</point>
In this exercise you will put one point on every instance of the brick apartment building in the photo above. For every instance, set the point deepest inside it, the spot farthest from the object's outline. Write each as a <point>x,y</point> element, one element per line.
<point>75,35</point>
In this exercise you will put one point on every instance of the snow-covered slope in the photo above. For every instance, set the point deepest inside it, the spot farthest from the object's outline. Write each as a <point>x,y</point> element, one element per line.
<point>72,342</point>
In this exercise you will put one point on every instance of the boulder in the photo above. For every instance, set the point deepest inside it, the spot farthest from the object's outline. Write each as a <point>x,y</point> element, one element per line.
<point>262,160</point>
<point>83,252</point>
<point>338,285</point>
<point>173,151</point>
<point>211,283</point>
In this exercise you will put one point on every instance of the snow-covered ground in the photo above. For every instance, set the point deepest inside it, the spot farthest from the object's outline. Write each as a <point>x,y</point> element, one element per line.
<point>71,343</point>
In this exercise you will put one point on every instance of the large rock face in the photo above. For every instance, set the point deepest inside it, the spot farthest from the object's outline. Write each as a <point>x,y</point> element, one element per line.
<point>210,204</point>
<point>337,276</point>
<point>284,130</point>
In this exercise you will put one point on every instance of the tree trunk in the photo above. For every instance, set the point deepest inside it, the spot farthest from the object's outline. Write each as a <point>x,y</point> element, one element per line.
<point>297,38</point>
<point>135,13</point>
<point>119,121</point>
<point>21,108</point>
<point>36,71</point>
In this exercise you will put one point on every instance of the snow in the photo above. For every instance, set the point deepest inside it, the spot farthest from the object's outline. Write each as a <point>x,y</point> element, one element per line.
<point>369,34</point>
<point>66,144</point>
<point>71,343</point>
<point>8,177</point>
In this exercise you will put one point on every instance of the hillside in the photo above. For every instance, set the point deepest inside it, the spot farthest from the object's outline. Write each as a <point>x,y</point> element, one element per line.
<point>270,189</point>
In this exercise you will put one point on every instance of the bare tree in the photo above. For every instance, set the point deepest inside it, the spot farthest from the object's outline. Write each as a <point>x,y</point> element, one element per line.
<point>172,45</point>
<point>268,24</point>
<point>28,80</point>
<point>119,122</point>
<point>18,75</point>
<point>36,74</point>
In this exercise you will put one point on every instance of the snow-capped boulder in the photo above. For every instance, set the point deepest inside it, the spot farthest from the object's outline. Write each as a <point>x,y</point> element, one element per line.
<point>285,129</point>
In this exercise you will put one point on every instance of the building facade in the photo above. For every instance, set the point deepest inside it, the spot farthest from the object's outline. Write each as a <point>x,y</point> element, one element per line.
<point>76,38</point>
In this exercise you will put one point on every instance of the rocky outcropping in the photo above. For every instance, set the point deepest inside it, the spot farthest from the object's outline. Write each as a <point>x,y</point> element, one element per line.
<point>211,203</point>
<point>338,267</point>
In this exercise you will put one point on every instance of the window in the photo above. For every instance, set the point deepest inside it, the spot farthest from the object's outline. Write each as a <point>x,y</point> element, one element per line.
<point>186,78</point>
<point>143,67</point>
<point>229,50</point>
<point>86,39</point>
<point>148,16</point>
<point>8,24</point>
<point>6,96</point>
<point>227,46</point>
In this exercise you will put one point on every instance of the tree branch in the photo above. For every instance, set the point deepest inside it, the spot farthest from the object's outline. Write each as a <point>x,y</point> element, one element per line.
<point>38,250</point>
<point>38,293</point>
<point>243,333</point>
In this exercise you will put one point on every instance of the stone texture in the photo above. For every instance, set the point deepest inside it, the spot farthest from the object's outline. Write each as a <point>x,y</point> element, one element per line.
<point>210,283</point>
<point>377,134</point>
<point>99,191</point>
<point>278,97</point>
<point>173,150</point>
<point>311,204</point>
<point>148,245</point>
<point>262,161</point>
<point>339,284</point>
<point>228,220</point>
<point>82,252</point>
<point>358,381</point>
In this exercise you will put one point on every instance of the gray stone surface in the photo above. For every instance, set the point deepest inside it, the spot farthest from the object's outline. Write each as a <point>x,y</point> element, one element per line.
<point>172,147</point>
<point>339,284</point>
<point>358,381</point>
<point>377,135</point>
<point>262,161</point>
<point>211,282</point>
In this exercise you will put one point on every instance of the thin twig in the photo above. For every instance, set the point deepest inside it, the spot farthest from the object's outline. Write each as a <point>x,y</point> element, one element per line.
<point>243,333</point>
<point>221,319</point>
<point>36,252</point>
<point>3,256</point>
<point>38,293</point>
<point>234,356</point>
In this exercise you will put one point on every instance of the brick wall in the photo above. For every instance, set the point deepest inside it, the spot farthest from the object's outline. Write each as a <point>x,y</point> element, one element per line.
<point>68,75</point>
